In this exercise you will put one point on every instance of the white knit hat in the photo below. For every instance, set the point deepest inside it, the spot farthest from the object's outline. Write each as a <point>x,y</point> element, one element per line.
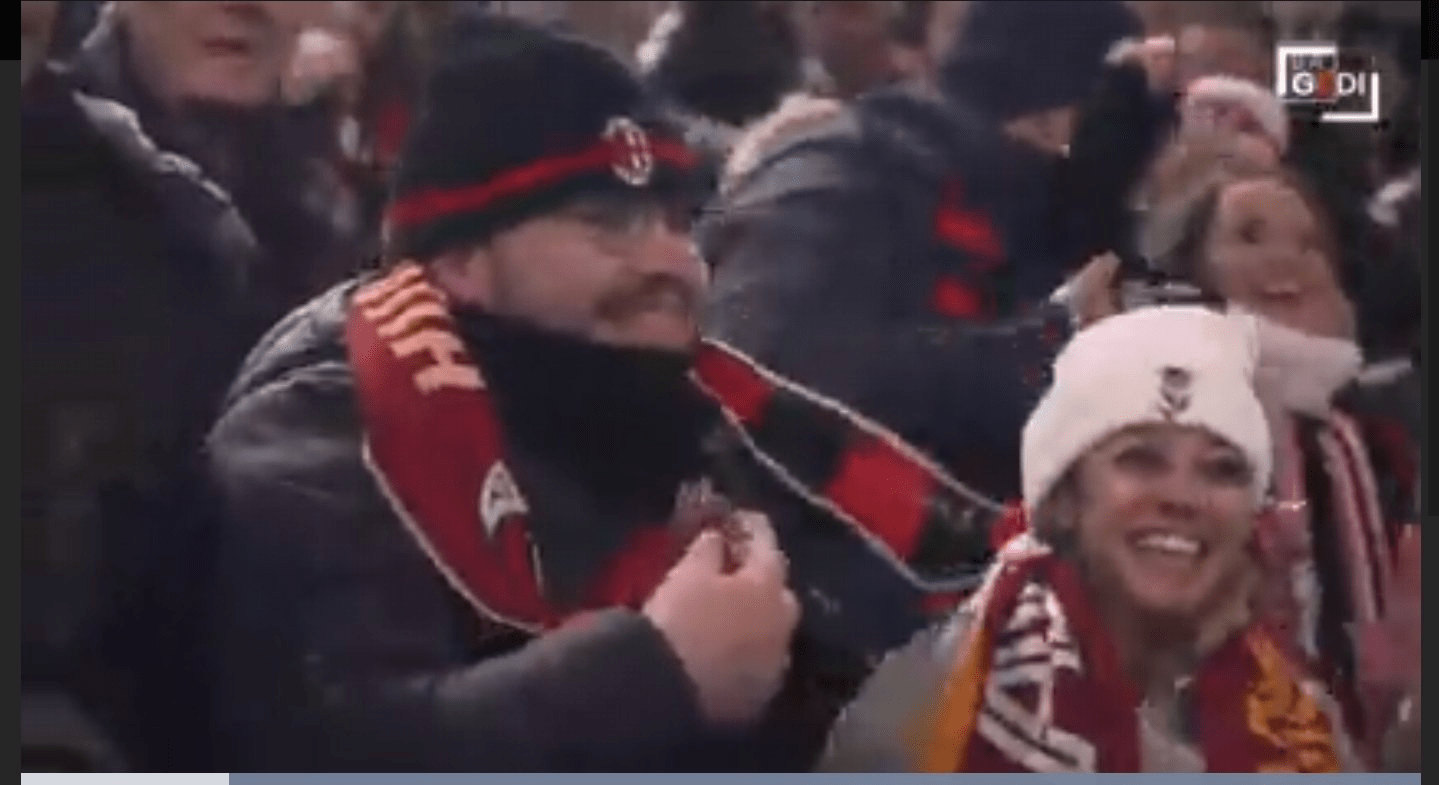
<point>1181,364</point>
<point>1260,105</point>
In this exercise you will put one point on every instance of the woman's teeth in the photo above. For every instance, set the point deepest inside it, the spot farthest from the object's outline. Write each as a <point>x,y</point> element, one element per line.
<point>1169,543</point>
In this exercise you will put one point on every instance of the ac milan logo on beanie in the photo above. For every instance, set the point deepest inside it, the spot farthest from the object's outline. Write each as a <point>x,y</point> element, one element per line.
<point>633,159</point>
<point>1174,394</point>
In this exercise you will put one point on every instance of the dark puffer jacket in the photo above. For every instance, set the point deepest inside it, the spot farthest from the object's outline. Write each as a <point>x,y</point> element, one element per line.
<point>893,257</point>
<point>132,269</point>
<point>345,649</point>
<point>273,161</point>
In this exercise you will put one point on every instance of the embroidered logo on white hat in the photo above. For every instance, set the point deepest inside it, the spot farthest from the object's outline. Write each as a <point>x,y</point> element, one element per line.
<point>1174,391</point>
<point>1180,364</point>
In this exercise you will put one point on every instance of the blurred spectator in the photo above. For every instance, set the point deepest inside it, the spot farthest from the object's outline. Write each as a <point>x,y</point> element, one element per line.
<point>909,27</point>
<point>721,66</point>
<point>856,41</point>
<point>75,21</point>
<point>861,257</point>
<point>1159,17</point>
<point>360,76</point>
<point>132,268</point>
<point>861,46</point>
<point>942,27</point>
<point>204,80</point>
<point>1231,37</point>
<point>730,62</point>
<point>1392,47</point>
<point>1260,241</point>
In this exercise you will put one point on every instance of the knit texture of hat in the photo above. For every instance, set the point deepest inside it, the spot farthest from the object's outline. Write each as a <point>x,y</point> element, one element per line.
<point>1011,59</point>
<point>516,121</point>
<point>1182,365</point>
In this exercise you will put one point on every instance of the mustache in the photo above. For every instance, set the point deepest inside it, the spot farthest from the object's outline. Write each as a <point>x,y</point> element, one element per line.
<point>648,293</point>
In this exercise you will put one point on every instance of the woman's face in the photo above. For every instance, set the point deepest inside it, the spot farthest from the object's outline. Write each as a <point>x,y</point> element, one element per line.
<point>1266,252</point>
<point>1163,518</point>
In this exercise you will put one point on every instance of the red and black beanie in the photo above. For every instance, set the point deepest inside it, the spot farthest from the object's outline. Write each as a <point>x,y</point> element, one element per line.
<point>516,121</point>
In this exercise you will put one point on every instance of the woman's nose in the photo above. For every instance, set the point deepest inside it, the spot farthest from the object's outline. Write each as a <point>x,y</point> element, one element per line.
<point>1182,492</point>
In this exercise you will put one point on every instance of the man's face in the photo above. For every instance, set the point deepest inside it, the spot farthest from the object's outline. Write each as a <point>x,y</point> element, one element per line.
<point>1207,50</point>
<point>366,21</point>
<point>614,269</point>
<point>231,53</point>
<point>852,41</point>
<point>37,25</point>
<point>945,20</point>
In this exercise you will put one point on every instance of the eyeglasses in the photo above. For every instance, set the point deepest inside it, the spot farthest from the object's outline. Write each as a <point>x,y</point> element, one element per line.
<point>632,214</point>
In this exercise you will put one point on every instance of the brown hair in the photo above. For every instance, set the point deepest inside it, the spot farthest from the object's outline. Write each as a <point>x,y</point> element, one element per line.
<point>1186,191</point>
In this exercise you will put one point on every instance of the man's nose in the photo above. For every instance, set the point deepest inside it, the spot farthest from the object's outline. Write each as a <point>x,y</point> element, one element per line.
<point>662,248</point>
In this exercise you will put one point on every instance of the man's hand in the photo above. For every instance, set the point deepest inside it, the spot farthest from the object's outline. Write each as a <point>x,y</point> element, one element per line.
<point>322,60</point>
<point>1156,56</point>
<point>730,629</point>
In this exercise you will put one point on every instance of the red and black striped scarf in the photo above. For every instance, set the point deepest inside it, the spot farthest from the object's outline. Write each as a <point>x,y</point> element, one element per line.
<point>436,449</point>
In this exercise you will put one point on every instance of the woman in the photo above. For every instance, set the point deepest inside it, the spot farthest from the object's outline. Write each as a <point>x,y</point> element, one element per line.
<point>1116,635</point>
<point>1255,238</point>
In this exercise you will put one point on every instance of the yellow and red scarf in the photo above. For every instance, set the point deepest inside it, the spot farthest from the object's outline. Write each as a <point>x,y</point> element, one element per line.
<point>1038,687</point>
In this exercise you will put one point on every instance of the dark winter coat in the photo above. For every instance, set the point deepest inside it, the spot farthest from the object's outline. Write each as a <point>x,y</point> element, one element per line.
<point>891,258</point>
<point>273,161</point>
<point>131,272</point>
<point>345,649</point>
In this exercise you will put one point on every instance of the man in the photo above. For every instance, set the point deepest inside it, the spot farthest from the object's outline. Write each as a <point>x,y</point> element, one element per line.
<point>132,267</point>
<point>431,473</point>
<point>204,79</point>
<point>722,66</point>
<point>859,256</point>
<point>861,46</point>
<point>1231,37</point>
<point>854,42</point>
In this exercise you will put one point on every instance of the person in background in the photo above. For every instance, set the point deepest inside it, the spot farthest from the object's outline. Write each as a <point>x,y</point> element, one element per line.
<point>909,27</point>
<point>873,43</point>
<point>1229,37</point>
<point>854,41</point>
<point>864,258</point>
<point>455,486</point>
<point>1389,298</point>
<point>1258,240</point>
<point>76,20</point>
<point>1117,632</point>
<point>133,270</point>
<point>360,75</point>
<point>204,79</point>
<point>722,66</point>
